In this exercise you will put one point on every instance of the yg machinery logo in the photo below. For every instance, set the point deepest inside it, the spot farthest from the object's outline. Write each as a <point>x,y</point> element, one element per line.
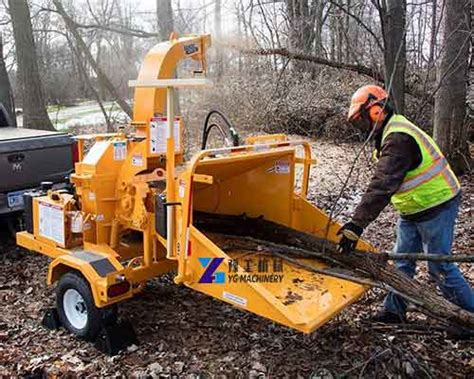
<point>258,270</point>
<point>210,275</point>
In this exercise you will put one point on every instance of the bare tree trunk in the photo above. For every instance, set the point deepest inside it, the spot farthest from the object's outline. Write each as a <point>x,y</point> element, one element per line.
<point>164,16</point>
<point>333,34</point>
<point>94,92</point>
<point>318,27</point>
<point>35,115</point>
<point>393,16</point>
<point>218,34</point>
<point>434,32</point>
<point>301,28</point>
<point>347,32</point>
<point>339,32</point>
<point>6,95</point>
<point>450,101</point>
<point>240,17</point>
<point>165,20</point>
<point>71,25</point>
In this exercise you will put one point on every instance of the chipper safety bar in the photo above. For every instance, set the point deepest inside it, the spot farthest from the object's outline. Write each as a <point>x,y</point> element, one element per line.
<point>130,215</point>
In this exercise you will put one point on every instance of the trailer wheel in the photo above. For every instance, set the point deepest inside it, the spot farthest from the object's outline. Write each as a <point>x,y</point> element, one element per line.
<point>76,307</point>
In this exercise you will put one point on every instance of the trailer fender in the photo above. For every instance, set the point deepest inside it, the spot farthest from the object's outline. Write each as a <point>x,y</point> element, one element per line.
<point>93,267</point>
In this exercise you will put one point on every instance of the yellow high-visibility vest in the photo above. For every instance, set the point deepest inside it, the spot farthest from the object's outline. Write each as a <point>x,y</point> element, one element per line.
<point>432,182</point>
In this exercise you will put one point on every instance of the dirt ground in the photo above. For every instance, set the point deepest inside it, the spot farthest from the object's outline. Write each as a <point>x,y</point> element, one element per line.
<point>186,334</point>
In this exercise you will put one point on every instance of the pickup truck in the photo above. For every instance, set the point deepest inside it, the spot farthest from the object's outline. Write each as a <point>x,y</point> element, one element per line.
<point>29,157</point>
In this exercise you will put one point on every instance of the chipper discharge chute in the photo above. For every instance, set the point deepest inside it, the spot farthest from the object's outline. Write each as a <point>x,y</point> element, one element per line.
<point>133,214</point>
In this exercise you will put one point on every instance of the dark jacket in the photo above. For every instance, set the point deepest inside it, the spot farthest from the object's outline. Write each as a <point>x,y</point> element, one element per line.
<point>399,154</point>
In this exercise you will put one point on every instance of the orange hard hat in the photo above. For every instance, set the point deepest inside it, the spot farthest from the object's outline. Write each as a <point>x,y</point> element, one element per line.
<point>364,98</point>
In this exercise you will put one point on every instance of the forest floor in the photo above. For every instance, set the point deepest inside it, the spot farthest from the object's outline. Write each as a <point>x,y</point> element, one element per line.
<point>186,334</point>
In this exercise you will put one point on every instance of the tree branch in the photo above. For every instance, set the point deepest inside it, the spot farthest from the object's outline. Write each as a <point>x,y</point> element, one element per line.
<point>360,69</point>
<point>373,73</point>
<point>371,266</point>
<point>360,22</point>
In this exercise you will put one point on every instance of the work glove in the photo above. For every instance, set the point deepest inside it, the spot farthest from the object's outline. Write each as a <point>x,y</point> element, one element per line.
<point>350,234</point>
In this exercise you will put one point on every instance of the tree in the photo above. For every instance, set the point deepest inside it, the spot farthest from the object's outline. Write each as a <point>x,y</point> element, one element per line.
<point>218,34</point>
<point>35,115</point>
<point>165,20</point>
<point>164,16</point>
<point>82,47</point>
<point>392,15</point>
<point>6,96</point>
<point>450,100</point>
<point>434,31</point>
<point>301,28</point>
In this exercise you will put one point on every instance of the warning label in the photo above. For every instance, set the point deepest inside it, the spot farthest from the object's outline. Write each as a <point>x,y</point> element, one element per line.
<point>137,160</point>
<point>159,135</point>
<point>51,222</point>
<point>280,167</point>
<point>120,151</point>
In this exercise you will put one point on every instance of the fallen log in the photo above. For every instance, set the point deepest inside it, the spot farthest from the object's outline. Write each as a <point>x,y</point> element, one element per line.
<point>371,266</point>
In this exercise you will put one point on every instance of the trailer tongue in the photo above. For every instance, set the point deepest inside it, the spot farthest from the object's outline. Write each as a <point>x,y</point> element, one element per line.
<point>134,215</point>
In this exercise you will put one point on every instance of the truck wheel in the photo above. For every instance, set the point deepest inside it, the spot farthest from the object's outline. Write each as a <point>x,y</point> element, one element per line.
<point>76,307</point>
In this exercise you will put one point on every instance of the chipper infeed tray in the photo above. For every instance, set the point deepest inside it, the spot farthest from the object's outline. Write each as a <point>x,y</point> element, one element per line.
<point>262,184</point>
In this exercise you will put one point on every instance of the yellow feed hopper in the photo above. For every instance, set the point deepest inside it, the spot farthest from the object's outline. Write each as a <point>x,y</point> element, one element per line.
<point>261,184</point>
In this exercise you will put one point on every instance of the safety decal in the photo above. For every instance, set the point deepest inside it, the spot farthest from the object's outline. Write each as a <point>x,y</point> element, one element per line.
<point>159,135</point>
<point>280,167</point>
<point>191,49</point>
<point>51,222</point>
<point>137,160</point>
<point>242,301</point>
<point>181,188</point>
<point>120,151</point>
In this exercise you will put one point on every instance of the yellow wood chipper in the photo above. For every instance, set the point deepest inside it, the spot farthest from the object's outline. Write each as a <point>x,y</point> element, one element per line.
<point>129,215</point>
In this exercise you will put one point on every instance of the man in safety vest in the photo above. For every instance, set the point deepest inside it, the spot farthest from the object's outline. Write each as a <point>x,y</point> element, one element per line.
<point>414,175</point>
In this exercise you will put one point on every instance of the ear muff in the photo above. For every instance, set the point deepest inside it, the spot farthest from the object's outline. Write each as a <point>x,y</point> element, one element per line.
<point>375,112</point>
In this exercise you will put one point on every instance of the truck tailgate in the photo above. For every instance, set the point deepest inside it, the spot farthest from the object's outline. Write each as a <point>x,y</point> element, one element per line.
<point>28,157</point>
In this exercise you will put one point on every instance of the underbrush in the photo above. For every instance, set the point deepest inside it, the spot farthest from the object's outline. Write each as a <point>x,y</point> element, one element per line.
<point>308,104</point>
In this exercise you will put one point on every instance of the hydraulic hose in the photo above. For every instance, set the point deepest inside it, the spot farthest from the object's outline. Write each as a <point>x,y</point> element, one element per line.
<point>231,137</point>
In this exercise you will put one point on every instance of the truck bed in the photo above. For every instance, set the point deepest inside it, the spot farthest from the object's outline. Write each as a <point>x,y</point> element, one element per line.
<point>28,157</point>
<point>8,134</point>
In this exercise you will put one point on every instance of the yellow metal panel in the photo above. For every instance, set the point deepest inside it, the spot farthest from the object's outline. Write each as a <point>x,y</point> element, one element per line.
<point>47,248</point>
<point>175,83</point>
<point>160,63</point>
<point>310,219</point>
<point>250,184</point>
<point>254,184</point>
<point>302,300</point>
<point>265,138</point>
<point>251,297</point>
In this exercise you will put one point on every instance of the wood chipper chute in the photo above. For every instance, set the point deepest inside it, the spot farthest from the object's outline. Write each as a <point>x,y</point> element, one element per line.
<point>133,211</point>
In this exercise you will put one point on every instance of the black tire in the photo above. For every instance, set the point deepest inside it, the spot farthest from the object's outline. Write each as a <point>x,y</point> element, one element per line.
<point>92,317</point>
